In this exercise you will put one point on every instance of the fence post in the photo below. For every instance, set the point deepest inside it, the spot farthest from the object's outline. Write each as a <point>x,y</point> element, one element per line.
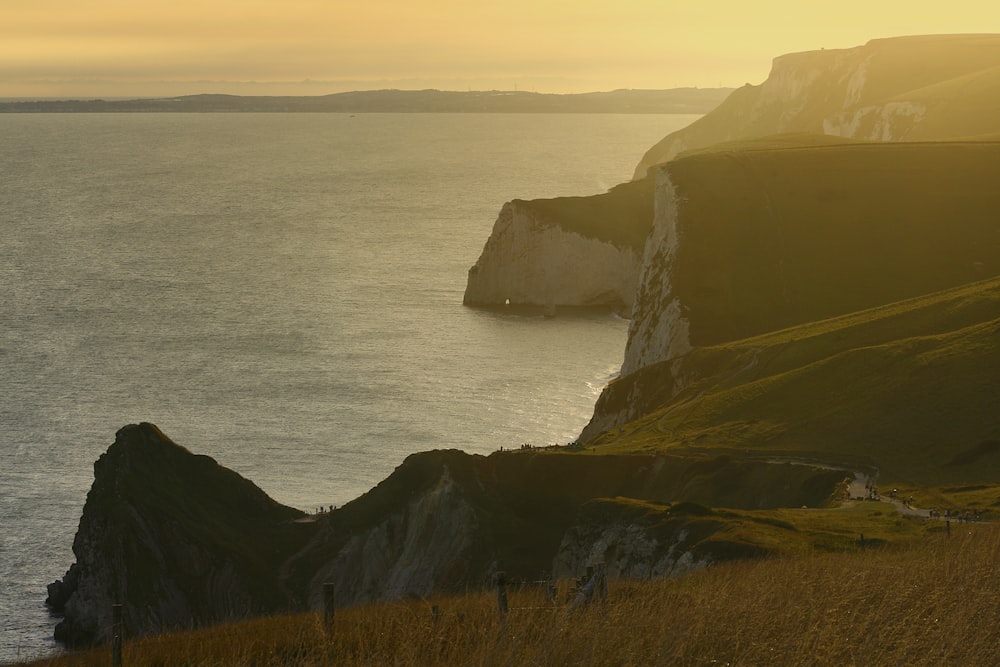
<point>550,590</point>
<point>329,601</point>
<point>117,631</point>
<point>502,595</point>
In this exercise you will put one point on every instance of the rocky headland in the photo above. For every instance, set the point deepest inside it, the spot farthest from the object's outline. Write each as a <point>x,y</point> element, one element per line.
<point>565,252</point>
<point>183,542</point>
<point>904,89</point>
<point>175,538</point>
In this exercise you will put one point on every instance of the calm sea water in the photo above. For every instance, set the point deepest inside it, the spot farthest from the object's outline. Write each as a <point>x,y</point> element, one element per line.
<point>280,292</point>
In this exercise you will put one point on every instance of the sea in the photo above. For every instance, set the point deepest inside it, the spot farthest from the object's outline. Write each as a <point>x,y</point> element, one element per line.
<point>282,292</point>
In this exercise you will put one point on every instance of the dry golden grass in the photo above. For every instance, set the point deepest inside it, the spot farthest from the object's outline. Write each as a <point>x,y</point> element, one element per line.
<point>931,602</point>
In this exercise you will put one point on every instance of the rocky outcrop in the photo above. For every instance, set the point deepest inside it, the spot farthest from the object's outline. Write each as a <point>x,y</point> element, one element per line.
<point>182,542</point>
<point>175,538</point>
<point>900,89</point>
<point>570,251</point>
<point>635,541</point>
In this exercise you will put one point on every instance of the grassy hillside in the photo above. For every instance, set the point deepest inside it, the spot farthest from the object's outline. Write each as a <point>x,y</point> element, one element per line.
<point>929,602</point>
<point>910,388</point>
<point>775,238</point>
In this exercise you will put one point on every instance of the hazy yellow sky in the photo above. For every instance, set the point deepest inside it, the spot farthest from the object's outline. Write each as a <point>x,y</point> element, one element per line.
<point>112,48</point>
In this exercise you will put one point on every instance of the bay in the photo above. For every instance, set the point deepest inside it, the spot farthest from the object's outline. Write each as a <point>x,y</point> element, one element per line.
<point>281,292</point>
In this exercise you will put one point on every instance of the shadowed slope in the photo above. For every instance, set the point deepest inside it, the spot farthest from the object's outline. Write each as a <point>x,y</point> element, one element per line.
<point>909,389</point>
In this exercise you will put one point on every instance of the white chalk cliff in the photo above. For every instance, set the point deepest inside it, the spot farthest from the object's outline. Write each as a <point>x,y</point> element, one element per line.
<point>530,260</point>
<point>898,89</point>
<point>658,334</point>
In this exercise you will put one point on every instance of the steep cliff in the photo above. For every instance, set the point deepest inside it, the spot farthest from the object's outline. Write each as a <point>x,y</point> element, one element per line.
<point>569,251</point>
<point>797,235</point>
<point>900,89</point>
<point>175,538</point>
<point>747,242</point>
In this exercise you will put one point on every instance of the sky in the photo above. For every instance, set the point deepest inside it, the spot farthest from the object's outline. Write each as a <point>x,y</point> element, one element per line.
<point>141,48</point>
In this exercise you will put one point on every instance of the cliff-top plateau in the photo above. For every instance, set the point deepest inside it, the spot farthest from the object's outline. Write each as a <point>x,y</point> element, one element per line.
<point>812,273</point>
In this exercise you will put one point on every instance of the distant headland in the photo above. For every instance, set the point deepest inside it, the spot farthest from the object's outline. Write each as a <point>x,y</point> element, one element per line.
<point>671,101</point>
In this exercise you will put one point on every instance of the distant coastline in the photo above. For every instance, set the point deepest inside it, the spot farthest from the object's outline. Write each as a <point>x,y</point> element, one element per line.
<point>670,101</point>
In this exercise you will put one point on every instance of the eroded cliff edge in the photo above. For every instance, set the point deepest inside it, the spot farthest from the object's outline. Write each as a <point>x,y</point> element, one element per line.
<point>567,251</point>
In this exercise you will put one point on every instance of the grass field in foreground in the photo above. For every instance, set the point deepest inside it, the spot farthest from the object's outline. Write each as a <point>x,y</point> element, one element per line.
<point>929,602</point>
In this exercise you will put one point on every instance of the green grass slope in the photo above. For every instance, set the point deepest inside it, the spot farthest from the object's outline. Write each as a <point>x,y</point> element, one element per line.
<point>775,238</point>
<point>910,389</point>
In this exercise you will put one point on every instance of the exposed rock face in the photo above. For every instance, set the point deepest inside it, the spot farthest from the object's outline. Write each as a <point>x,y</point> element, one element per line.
<point>570,251</point>
<point>446,521</point>
<point>528,261</point>
<point>175,538</point>
<point>900,89</point>
<point>424,546</point>
<point>633,543</point>
<point>662,332</point>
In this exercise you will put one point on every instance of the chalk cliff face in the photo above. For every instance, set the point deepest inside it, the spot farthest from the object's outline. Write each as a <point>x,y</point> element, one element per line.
<point>899,89</point>
<point>528,261</point>
<point>569,251</point>
<point>633,542</point>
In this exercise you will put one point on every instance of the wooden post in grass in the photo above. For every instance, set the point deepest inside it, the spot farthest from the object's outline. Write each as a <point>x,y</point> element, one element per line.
<point>117,632</point>
<point>329,600</point>
<point>550,590</point>
<point>502,595</point>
